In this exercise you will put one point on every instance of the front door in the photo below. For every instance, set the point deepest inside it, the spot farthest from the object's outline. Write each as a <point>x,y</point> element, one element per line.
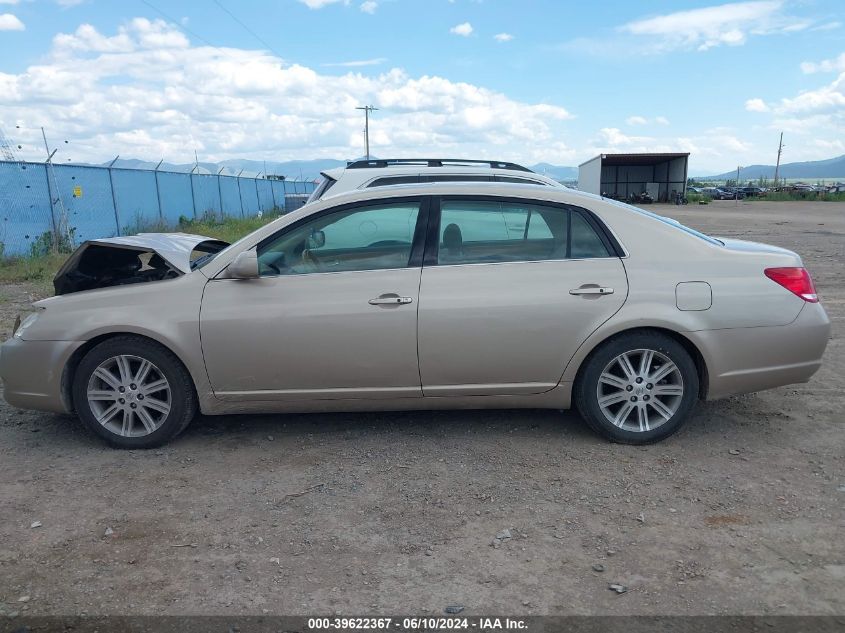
<point>509,291</point>
<point>333,314</point>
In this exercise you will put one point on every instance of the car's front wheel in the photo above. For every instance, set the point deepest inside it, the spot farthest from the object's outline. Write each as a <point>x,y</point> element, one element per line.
<point>133,393</point>
<point>637,388</point>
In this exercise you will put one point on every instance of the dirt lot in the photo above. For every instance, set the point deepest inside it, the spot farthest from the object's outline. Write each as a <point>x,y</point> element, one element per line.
<point>740,513</point>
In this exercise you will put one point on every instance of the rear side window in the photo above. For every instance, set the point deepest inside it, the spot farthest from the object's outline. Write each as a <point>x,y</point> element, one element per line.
<point>457,178</point>
<point>474,232</point>
<point>394,180</point>
<point>521,181</point>
<point>584,243</point>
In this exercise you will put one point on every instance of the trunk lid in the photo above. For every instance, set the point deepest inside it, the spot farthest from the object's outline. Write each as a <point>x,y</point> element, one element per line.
<point>782,254</point>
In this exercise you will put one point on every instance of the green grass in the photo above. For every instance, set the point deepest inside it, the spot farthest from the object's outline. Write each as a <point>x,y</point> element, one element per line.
<point>40,269</point>
<point>35,270</point>
<point>227,229</point>
<point>696,198</point>
<point>783,196</point>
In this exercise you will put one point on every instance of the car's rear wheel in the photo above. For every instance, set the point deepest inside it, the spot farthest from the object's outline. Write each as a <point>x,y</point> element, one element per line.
<point>133,393</point>
<point>637,388</point>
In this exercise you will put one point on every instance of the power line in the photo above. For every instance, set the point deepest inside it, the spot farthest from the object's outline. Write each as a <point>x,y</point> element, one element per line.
<point>246,28</point>
<point>185,29</point>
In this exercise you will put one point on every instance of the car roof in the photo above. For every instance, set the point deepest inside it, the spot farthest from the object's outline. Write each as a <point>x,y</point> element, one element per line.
<point>415,168</point>
<point>492,188</point>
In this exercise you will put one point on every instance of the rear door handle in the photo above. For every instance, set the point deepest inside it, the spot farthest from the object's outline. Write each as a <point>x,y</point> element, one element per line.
<point>390,299</point>
<point>591,290</point>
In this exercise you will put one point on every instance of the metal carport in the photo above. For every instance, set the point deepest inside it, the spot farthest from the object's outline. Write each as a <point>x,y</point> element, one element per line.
<point>622,175</point>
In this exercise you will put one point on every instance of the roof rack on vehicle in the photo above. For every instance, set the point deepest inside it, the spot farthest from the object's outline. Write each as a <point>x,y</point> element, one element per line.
<point>383,163</point>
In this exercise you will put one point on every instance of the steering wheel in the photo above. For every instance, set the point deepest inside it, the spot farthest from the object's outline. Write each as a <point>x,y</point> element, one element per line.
<point>310,259</point>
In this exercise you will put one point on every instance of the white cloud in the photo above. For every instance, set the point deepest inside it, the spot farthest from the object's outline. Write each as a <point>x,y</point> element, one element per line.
<point>69,3</point>
<point>817,112</point>
<point>319,4</point>
<point>503,37</point>
<point>756,105</point>
<point>827,26</point>
<point>824,66</point>
<point>9,1</point>
<point>641,120</point>
<point>10,22</point>
<point>358,63</point>
<point>614,137</point>
<point>146,91</point>
<point>464,29</point>
<point>708,27</point>
<point>717,147</point>
<point>827,99</point>
<point>369,6</point>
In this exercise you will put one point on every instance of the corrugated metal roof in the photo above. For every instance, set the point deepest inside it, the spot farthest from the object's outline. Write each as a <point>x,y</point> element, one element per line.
<point>640,159</point>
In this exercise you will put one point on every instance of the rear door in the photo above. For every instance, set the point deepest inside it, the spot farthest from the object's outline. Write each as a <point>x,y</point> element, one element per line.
<point>509,291</point>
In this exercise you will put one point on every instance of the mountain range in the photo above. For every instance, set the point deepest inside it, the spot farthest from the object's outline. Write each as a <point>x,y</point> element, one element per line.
<point>830,168</point>
<point>310,169</point>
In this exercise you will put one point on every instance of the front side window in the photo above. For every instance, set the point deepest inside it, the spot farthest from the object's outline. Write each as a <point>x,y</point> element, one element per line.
<point>474,232</point>
<point>362,238</point>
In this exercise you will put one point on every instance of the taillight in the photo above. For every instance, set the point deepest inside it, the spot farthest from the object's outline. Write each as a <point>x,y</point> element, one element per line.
<point>796,280</point>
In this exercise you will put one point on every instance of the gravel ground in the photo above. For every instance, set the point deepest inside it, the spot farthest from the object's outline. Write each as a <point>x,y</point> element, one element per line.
<point>740,513</point>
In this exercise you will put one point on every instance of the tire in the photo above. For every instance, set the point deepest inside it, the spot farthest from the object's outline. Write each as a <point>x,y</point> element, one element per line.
<point>656,408</point>
<point>130,371</point>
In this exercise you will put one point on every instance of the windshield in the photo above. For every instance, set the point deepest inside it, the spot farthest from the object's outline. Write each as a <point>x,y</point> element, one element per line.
<point>199,262</point>
<point>669,221</point>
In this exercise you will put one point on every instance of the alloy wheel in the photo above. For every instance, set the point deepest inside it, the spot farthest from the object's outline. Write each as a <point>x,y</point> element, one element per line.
<point>640,390</point>
<point>129,396</point>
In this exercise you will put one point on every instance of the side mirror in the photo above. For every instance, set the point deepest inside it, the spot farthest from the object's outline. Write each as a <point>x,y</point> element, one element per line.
<point>244,266</point>
<point>317,239</point>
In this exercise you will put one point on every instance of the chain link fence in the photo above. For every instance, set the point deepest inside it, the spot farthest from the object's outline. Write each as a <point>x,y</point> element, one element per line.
<point>44,207</point>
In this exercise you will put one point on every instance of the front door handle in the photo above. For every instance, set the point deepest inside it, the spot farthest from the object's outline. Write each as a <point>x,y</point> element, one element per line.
<point>390,299</point>
<point>591,290</point>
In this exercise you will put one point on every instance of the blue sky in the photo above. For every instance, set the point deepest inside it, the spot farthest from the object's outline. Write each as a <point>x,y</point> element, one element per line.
<point>529,81</point>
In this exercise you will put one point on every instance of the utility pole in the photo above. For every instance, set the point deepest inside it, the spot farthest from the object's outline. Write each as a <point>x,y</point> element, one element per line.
<point>777,166</point>
<point>367,109</point>
<point>736,189</point>
<point>60,225</point>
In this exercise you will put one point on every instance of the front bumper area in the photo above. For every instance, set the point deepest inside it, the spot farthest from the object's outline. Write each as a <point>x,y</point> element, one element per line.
<point>744,360</point>
<point>32,373</point>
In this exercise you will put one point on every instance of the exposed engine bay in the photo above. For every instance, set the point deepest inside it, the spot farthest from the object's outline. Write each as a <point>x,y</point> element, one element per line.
<point>133,259</point>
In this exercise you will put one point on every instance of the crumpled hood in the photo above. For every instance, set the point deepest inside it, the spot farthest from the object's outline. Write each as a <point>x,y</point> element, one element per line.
<point>119,261</point>
<point>175,248</point>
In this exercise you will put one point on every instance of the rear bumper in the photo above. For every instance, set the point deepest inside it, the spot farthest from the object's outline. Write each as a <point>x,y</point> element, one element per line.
<point>32,373</point>
<point>743,360</point>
